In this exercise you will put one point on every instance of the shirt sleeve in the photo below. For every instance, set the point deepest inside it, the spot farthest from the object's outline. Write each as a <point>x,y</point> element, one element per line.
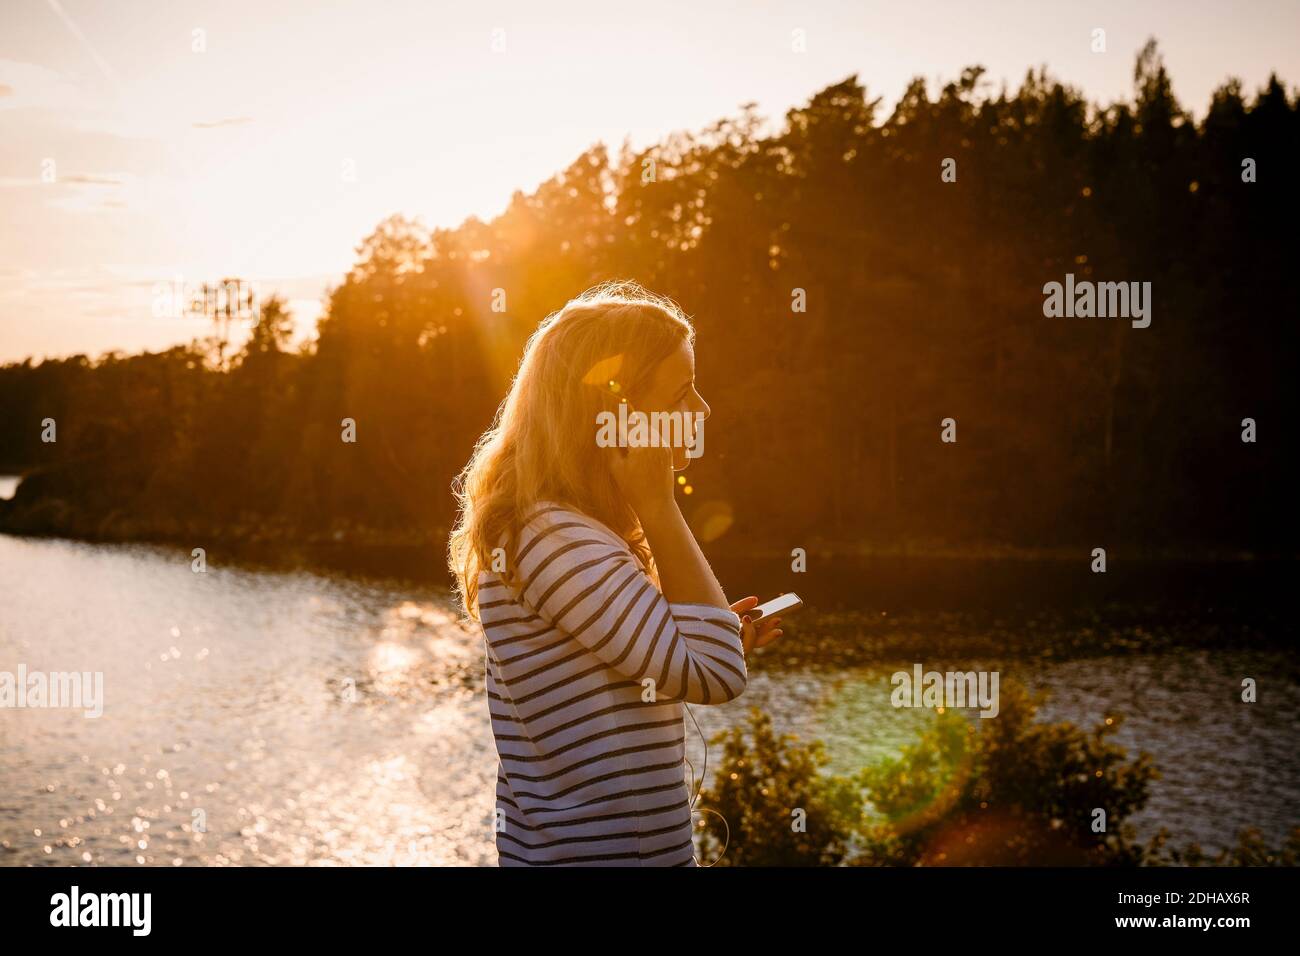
<point>579,576</point>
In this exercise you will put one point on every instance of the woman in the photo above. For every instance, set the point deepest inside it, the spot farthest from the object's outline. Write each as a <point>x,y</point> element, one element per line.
<point>601,617</point>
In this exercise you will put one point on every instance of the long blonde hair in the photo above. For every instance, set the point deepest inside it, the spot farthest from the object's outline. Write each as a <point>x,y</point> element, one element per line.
<point>602,346</point>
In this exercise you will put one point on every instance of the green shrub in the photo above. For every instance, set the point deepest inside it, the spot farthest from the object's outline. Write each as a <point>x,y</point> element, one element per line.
<point>1007,791</point>
<point>1250,850</point>
<point>1004,791</point>
<point>761,788</point>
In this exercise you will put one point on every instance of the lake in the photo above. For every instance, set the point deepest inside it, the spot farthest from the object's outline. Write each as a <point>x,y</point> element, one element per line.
<point>316,717</point>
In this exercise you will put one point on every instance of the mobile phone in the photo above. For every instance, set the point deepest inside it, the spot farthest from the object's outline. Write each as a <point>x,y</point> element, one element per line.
<point>781,604</point>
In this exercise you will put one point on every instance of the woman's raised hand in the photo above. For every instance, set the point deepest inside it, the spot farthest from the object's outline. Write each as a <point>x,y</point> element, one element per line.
<point>644,474</point>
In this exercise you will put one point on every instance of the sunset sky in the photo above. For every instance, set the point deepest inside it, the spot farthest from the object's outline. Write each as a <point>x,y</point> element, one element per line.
<point>174,162</point>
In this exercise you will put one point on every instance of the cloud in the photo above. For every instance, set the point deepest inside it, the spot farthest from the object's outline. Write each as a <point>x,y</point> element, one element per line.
<point>233,121</point>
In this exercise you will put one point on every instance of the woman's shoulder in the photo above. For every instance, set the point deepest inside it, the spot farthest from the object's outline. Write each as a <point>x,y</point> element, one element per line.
<point>565,522</point>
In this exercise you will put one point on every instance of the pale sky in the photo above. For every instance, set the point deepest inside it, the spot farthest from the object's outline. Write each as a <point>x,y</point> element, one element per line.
<point>195,156</point>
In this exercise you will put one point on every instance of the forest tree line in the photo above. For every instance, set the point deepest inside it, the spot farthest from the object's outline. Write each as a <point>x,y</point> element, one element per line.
<point>924,302</point>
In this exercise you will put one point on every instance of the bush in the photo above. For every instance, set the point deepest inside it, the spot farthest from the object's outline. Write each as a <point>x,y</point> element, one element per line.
<point>1003,791</point>
<point>776,808</point>
<point>1251,850</point>
<point>1015,792</point>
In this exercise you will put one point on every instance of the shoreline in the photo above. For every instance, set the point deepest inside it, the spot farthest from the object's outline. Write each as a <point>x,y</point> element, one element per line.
<point>42,514</point>
<point>271,537</point>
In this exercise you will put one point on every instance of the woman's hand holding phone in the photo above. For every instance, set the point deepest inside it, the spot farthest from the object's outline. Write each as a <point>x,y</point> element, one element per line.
<point>754,635</point>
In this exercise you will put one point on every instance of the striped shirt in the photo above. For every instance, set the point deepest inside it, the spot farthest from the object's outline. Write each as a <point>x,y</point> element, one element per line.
<point>588,666</point>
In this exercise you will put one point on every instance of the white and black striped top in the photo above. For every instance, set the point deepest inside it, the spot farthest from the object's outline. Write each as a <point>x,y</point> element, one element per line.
<point>587,668</point>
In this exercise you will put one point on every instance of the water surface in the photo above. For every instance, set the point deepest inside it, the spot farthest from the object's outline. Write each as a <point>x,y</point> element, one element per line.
<point>308,717</point>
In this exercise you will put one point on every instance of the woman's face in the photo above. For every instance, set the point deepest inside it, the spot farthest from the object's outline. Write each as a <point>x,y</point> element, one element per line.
<point>672,389</point>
